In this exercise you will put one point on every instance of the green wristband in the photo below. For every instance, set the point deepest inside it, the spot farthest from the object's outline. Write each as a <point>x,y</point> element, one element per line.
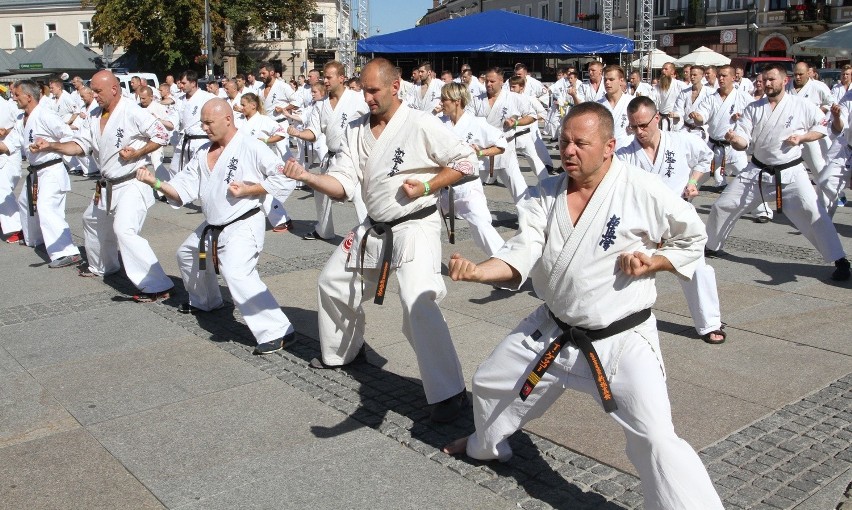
<point>516,122</point>
<point>479,153</point>
<point>693,182</point>
<point>158,184</point>
<point>426,188</point>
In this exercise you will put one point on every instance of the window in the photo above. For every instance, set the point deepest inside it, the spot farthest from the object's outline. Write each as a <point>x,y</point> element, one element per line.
<point>659,9</point>
<point>778,5</point>
<point>616,8</point>
<point>516,10</point>
<point>50,28</point>
<point>529,11</point>
<point>18,36</point>
<point>86,33</point>
<point>274,33</point>
<point>317,27</point>
<point>559,12</point>
<point>733,5</point>
<point>578,9</point>
<point>543,11</point>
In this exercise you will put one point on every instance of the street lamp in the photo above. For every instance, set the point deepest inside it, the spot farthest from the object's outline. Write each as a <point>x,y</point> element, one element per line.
<point>208,42</point>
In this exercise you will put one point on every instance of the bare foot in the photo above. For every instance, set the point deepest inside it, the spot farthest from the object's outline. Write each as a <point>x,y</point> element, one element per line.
<point>456,447</point>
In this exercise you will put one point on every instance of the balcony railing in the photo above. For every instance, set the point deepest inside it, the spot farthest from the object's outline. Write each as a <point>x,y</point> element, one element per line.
<point>693,16</point>
<point>814,13</point>
<point>322,43</point>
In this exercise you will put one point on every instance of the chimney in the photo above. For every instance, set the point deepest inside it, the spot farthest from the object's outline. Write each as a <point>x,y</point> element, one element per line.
<point>436,3</point>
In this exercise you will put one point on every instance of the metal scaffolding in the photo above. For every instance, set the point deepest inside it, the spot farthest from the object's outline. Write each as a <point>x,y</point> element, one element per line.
<point>345,42</point>
<point>645,43</point>
<point>363,31</point>
<point>606,16</point>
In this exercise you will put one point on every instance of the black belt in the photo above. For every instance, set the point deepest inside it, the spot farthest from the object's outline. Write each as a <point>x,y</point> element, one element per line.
<point>108,184</point>
<point>215,230</point>
<point>384,229</point>
<point>774,170</point>
<point>724,144</point>
<point>583,338</point>
<point>32,183</point>
<point>668,118</point>
<point>184,154</point>
<point>692,127</point>
<point>518,133</point>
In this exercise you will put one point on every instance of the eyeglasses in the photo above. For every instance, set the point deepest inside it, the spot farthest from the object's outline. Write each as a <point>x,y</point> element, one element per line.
<point>636,127</point>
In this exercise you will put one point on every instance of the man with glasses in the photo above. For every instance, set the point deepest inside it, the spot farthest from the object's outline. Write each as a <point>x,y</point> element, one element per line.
<point>679,159</point>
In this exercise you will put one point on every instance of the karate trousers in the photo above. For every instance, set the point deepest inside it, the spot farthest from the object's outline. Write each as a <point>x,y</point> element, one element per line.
<point>108,234</point>
<point>800,205</point>
<point>421,287</point>
<point>507,169</point>
<point>273,204</point>
<point>702,297</point>
<point>672,475</point>
<point>10,174</point>
<point>322,204</point>
<point>470,203</point>
<point>533,149</point>
<point>48,225</point>
<point>240,245</point>
<point>833,179</point>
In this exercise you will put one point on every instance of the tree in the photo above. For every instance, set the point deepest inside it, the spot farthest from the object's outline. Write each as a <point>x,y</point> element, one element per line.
<point>166,34</point>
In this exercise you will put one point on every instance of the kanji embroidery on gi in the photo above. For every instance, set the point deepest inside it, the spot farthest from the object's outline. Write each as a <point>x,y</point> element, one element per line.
<point>397,160</point>
<point>608,238</point>
<point>732,110</point>
<point>343,118</point>
<point>195,110</point>
<point>670,160</point>
<point>504,111</point>
<point>232,167</point>
<point>468,138</point>
<point>789,121</point>
<point>119,134</point>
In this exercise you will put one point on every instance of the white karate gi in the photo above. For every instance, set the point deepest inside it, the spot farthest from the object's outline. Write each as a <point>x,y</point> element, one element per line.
<point>684,105</point>
<point>530,145</point>
<point>838,90</point>
<point>413,145</point>
<point>574,269</point>
<point>587,91</point>
<point>262,127</point>
<point>10,168</point>
<point>665,100</point>
<point>239,118</point>
<point>426,101</point>
<point>678,156</point>
<point>84,164</point>
<point>745,85</point>
<point>507,104</point>
<point>558,100</point>
<point>107,233</point>
<point>248,160</point>
<point>190,125</point>
<point>168,113</point>
<point>765,130</point>
<point>65,106</point>
<point>717,115</point>
<point>619,118</point>
<point>332,123</point>
<point>817,93</point>
<point>302,99</point>
<point>835,177</point>
<point>470,202</point>
<point>280,93</point>
<point>48,225</point>
<point>643,89</point>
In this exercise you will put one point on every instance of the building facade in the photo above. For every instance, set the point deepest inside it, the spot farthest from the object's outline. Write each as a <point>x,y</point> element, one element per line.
<point>28,24</point>
<point>730,27</point>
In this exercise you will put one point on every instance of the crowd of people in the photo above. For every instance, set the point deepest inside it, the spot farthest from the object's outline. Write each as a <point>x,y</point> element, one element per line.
<point>411,155</point>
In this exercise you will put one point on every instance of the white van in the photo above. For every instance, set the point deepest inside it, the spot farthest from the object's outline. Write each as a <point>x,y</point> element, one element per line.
<point>124,80</point>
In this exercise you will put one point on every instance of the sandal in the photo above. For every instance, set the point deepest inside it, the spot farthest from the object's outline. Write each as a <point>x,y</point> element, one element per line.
<point>720,332</point>
<point>150,297</point>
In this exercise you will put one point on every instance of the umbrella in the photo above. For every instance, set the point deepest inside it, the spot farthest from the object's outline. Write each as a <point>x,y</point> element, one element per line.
<point>703,56</point>
<point>658,58</point>
<point>834,42</point>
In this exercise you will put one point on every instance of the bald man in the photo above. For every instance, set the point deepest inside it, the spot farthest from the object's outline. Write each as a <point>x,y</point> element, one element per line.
<point>230,175</point>
<point>401,157</point>
<point>118,137</point>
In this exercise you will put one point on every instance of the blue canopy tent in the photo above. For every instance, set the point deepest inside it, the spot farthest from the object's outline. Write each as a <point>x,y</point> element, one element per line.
<point>497,32</point>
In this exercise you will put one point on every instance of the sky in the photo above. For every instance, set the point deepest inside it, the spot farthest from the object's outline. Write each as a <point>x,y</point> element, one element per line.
<point>394,15</point>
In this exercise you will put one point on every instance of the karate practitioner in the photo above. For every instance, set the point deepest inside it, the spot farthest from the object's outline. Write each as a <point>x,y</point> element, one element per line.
<point>529,144</point>
<point>835,177</point>
<point>689,99</point>
<point>666,92</point>
<point>118,136</point>
<point>839,89</point>
<point>616,100</point>
<point>592,91</point>
<point>591,241</point>
<point>741,82</point>
<point>229,175</point>
<point>679,159</point>
<point>277,94</point>
<point>817,93</point>
<point>192,134</point>
<point>168,117</point>
<point>401,157</point>
<point>331,117</point>
<point>486,140</point>
<point>273,134</point>
<point>10,172</point>
<point>427,96</point>
<point>773,130</point>
<point>235,94</point>
<point>84,165</point>
<point>63,103</point>
<point>41,202</point>
<point>638,87</point>
<point>506,111</point>
<point>719,113</point>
